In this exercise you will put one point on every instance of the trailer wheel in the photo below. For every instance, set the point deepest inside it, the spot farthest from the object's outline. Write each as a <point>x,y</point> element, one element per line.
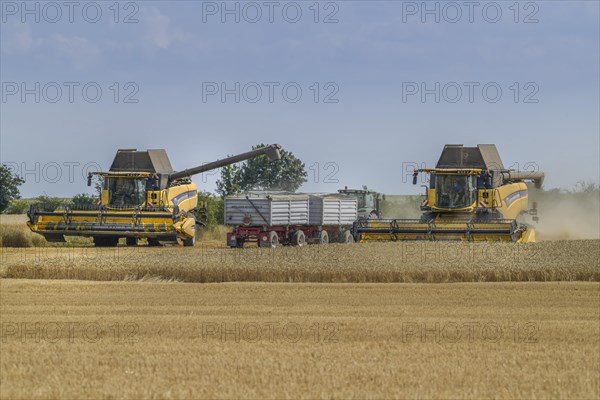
<point>131,241</point>
<point>272,242</point>
<point>348,238</point>
<point>238,243</point>
<point>298,239</point>
<point>323,237</point>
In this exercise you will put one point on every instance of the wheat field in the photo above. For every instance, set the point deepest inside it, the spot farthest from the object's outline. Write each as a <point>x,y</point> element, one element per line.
<point>373,262</point>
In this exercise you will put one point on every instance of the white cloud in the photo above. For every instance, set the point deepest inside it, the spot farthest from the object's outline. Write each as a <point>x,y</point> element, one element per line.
<point>80,51</point>
<point>18,39</point>
<point>158,30</point>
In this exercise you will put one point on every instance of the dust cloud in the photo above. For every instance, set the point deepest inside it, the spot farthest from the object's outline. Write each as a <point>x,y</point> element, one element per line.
<point>563,215</point>
<point>566,215</point>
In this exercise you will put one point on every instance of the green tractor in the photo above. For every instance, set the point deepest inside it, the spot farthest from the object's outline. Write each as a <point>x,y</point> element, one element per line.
<point>369,202</point>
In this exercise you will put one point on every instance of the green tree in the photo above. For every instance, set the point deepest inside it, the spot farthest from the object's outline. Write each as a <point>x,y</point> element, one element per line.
<point>212,208</point>
<point>260,173</point>
<point>231,180</point>
<point>9,187</point>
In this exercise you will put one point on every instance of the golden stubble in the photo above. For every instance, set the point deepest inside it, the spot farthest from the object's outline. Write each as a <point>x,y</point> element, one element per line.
<point>175,340</point>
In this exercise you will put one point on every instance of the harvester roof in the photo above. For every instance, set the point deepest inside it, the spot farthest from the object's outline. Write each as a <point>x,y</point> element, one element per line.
<point>484,156</point>
<point>153,161</point>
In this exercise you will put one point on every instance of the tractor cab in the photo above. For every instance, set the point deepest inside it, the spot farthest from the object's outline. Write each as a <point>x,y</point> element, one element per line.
<point>369,202</point>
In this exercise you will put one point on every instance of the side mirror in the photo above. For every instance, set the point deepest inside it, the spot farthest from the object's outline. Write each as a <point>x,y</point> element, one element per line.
<point>415,178</point>
<point>89,180</point>
<point>383,197</point>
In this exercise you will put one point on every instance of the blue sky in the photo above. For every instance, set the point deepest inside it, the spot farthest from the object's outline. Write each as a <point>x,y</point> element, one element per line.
<point>367,56</point>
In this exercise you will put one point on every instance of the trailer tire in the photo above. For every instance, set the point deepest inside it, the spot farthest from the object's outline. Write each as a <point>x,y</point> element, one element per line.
<point>273,239</point>
<point>348,238</point>
<point>239,243</point>
<point>298,238</point>
<point>131,241</point>
<point>323,237</point>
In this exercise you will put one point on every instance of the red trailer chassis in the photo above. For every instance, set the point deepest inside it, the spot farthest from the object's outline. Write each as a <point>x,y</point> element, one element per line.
<point>291,235</point>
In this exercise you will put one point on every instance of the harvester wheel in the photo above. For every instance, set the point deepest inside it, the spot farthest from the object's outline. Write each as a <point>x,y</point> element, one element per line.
<point>190,242</point>
<point>348,238</point>
<point>105,241</point>
<point>153,242</point>
<point>131,241</point>
<point>323,237</point>
<point>298,239</point>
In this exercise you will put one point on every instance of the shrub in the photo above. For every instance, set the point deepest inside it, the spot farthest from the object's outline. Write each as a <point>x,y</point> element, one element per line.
<point>17,206</point>
<point>49,202</point>
<point>84,200</point>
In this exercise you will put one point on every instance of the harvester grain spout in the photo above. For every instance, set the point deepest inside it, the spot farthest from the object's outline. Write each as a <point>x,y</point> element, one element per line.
<point>271,151</point>
<point>142,197</point>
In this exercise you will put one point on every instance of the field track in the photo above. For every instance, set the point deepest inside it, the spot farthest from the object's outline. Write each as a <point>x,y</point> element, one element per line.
<point>256,340</point>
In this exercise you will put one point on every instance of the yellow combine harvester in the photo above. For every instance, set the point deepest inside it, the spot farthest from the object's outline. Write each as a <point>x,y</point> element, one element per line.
<point>142,197</point>
<point>470,197</point>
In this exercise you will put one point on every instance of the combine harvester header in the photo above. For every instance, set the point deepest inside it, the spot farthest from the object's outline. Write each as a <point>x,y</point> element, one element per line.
<point>470,197</point>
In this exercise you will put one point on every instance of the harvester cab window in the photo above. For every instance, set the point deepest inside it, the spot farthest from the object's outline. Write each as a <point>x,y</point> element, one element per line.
<point>127,192</point>
<point>455,191</point>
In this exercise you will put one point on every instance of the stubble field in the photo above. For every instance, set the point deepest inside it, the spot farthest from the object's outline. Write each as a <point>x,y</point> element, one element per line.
<point>382,320</point>
<point>74,339</point>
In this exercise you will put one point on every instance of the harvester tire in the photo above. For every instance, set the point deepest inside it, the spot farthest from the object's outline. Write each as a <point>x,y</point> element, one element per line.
<point>190,242</point>
<point>131,241</point>
<point>323,237</point>
<point>105,241</point>
<point>153,242</point>
<point>298,239</point>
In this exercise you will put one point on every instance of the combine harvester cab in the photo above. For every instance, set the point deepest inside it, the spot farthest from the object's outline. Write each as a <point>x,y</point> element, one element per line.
<point>142,197</point>
<point>273,218</point>
<point>470,197</point>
